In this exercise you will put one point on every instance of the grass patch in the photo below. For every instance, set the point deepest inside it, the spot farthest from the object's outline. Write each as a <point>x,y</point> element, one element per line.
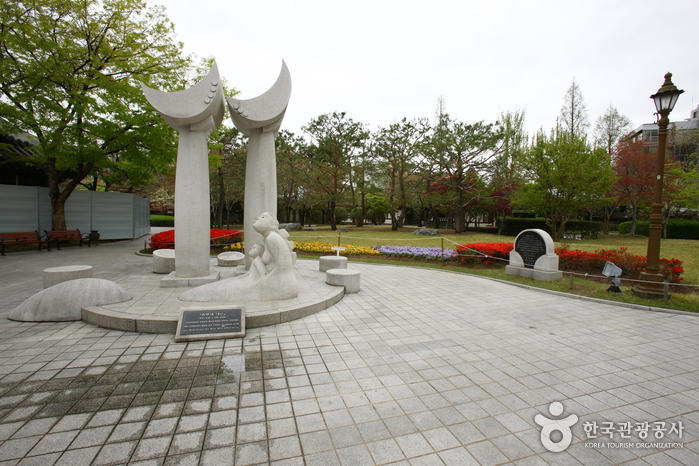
<point>685,250</point>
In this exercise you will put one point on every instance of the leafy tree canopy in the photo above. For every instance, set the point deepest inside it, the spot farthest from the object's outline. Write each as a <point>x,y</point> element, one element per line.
<point>70,70</point>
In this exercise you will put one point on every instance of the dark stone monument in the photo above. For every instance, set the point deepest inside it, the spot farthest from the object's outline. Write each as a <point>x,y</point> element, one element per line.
<point>210,323</point>
<point>534,257</point>
<point>530,245</point>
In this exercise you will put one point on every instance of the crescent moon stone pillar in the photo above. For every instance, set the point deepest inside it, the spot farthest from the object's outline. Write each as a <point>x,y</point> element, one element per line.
<point>195,113</point>
<point>260,119</point>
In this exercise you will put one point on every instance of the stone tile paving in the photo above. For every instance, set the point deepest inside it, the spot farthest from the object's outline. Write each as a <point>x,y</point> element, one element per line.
<point>421,367</point>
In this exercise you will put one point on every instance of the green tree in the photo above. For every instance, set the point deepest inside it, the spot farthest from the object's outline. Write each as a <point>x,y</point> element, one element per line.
<point>70,71</point>
<point>574,112</point>
<point>397,149</point>
<point>504,172</point>
<point>228,153</point>
<point>291,164</point>
<point>565,175</point>
<point>611,128</point>
<point>335,141</point>
<point>460,151</point>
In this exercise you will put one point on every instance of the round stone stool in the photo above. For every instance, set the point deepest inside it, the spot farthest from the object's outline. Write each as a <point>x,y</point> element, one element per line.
<point>164,261</point>
<point>231,259</point>
<point>56,275</point>
<point>343,277</point>
<point>332,262</point>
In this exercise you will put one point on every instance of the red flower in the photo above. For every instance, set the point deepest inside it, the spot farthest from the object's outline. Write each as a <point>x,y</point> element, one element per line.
<point>166,239</point>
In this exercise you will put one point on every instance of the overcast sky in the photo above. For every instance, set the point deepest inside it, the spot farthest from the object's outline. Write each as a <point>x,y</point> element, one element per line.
<point>380,61</point>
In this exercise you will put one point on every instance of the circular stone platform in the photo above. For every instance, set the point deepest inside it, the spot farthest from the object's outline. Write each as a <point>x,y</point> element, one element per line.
<point>231,259</point>
<point>156,310</point>
<point>56,275</point>
<point>164,261</point>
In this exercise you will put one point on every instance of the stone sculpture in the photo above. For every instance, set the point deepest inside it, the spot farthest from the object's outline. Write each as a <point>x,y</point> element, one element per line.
<point>260,119</point>
<point>271,275</point>
<point>194,113</point>
<point>64,302</point>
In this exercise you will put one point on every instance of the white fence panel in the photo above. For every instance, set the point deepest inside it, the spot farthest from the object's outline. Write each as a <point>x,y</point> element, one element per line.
<point>114,215</point>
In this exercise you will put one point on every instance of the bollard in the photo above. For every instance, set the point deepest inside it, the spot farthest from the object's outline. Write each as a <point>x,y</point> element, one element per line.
<point>666,291</point>
<point>571,280</point>
<point>442,251</point>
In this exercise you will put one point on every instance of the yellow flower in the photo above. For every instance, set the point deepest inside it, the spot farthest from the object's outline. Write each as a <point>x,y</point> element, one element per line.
<point>315,246</point>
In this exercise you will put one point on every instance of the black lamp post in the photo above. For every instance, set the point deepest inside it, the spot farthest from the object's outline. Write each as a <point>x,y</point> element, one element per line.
<point>651,285</point>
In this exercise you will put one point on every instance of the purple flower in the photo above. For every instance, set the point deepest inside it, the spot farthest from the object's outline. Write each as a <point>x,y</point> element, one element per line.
<point>416,252</point>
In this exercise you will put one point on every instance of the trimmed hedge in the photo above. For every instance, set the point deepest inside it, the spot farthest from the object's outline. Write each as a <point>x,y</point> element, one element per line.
<point>512,226</point>
<point>584,228</point>
<point>676,229</point>
<point>162,221</point>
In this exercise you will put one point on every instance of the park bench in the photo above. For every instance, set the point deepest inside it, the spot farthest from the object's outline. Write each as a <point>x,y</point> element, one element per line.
<point>21,237</point>
<point>57,236</point>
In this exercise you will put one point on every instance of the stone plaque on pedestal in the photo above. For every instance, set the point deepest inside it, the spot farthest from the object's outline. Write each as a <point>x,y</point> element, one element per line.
<point>530,245</point>
<point>210,323</point>
<point>534,257</point>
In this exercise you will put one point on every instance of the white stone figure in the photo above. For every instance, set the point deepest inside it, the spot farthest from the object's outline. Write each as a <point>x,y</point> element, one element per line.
<point>195,113</point>
<point>271,276</point>
<point>260,119</point>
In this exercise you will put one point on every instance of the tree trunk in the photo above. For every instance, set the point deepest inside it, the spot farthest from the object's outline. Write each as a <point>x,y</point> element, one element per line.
<point>58,197</point>
<point>459,213</point>
<point>634,212</point>
<point>221,198</point>
<point>331,215</point>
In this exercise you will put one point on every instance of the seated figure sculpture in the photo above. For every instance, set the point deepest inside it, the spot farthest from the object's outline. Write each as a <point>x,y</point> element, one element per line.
<point>271,275</point>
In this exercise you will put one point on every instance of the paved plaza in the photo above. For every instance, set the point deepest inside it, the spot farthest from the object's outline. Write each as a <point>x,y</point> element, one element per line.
<point>421,367</point>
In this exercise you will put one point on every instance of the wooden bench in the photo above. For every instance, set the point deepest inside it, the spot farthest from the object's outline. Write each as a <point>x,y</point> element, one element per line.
<point>65,235</point>
<point>21,237</point>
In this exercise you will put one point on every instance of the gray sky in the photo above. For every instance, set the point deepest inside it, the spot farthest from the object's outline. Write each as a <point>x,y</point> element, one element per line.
<point>380,61</point>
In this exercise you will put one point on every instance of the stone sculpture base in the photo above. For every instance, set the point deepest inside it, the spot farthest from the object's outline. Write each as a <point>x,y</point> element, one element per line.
<point>542,275</point>
<point>173,281</point>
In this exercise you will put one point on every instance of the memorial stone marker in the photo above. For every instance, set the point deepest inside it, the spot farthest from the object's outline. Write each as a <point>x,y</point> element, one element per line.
<point>534,256</point>
<point>530,245</point>
<point>210,323</point>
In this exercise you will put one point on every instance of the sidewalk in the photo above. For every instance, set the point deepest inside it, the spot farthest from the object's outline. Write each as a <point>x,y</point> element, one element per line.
<point>421,367</point>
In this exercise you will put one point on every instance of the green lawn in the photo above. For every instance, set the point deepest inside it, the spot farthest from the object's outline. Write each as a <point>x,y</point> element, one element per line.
<point>685,250</point>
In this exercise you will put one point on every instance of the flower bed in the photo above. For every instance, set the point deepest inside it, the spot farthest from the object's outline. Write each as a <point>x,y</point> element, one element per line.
<point>490,252</point>
<point>416,252</point>
<point>589,262</point>
<point>326,248</point>
<point>166,239</point>
<point>631,264</point>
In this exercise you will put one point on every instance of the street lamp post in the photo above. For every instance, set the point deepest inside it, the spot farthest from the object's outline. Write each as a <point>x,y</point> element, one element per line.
<point>651,285</point>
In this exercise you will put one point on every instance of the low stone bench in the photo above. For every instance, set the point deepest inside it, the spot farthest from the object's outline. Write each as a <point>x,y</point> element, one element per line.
<point>231,259</point>
<point>163,261</point>
<point>332,262</point>
<point>56,275</point>
<point>343,277</point>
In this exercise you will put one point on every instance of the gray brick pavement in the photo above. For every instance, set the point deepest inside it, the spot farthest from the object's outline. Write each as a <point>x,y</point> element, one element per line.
<point>421,367</point>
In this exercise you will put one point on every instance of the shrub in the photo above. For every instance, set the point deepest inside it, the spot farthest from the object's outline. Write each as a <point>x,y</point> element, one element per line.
<point>513,226</point>
<point>341,214</point>
<point>492,230</point>
<point>166,239</point>
<point>489,251</point>
<point>630,264</point>
<point>584,228</point>
<point>676,229</point>
<point>162,221</point>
